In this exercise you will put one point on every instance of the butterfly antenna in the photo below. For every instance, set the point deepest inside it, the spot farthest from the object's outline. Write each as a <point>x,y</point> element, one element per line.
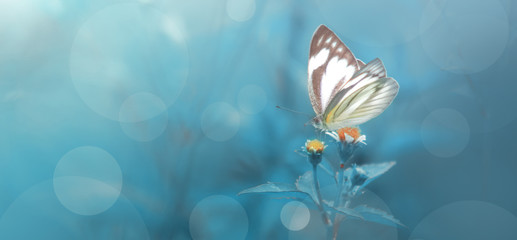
<point>293,111</point>
<point>308,122</point>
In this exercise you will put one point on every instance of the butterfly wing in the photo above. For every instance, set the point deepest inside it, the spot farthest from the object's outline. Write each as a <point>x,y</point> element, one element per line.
<point>331,65</point>
<point>360,64</point>
<point>362,98</point>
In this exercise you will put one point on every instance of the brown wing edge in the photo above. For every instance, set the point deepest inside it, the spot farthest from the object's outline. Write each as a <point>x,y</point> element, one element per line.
<point>318,42</point>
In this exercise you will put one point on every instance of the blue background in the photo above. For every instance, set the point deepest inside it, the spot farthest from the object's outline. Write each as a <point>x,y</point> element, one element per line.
<point>144,119</point>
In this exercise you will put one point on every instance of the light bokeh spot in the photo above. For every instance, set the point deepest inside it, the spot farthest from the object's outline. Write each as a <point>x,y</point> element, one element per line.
<point>140,107</point>
<point>143,117</point>
<point>295,215</point>
<point>240,10</point>
<point>463,39</point>
<point>87,180</point>
<point>38,214</point>
<point>474,220</point>
<point>125,49</point>
<point>218,217</point>
<point>445,132</point>
<point>220,121</point>
<point>369,22</point>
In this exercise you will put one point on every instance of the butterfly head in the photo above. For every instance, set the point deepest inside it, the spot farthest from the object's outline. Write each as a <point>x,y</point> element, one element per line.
<point>319,122</point>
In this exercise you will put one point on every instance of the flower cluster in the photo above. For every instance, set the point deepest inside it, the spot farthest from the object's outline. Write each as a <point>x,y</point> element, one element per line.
<point>349,177</point>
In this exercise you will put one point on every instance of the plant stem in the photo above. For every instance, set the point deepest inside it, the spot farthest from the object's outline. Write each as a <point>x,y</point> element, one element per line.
<point>341,185</point>
<point>335,230</point>
<point>337,221</point>
<point>338,217</point>
<point>324,214</point>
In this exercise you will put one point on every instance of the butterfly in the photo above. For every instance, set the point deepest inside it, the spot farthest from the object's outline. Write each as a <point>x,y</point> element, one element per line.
<point>344,91</point>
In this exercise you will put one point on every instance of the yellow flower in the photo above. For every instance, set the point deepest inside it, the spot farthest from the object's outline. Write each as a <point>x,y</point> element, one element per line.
<point>315,146</point>
<point>314,151</point>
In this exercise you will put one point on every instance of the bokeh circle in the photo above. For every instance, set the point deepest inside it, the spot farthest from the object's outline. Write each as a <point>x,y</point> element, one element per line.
<point>220,121</point>
<point>464,39</point>
<point>365,230</point>
<point>87,180</point>
<point>368,22</point>
<point>143,116</point>
<point>38,214</point>
<point>218,217</point>
<point>445,132</point>
<point>473,220</point>
<point>315,229</point>
<point>240,10</point>
<point>125,49</point>
<point>295,215</point>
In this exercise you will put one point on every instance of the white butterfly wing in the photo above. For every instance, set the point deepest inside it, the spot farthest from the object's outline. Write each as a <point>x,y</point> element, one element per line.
<point>331,65</point>
<point>362,98</point>
<point>360,64</point>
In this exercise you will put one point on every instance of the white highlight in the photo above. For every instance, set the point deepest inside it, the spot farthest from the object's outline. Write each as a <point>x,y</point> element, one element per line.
<point>87,180</point>
<point>334,44</point>
<point>240,10</point>
<point>295,216</point>
<point>173,30</point>
<point>336,70</point>
<point>318,60</point>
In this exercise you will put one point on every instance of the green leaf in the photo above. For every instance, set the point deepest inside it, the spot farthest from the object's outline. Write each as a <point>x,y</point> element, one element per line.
<point>367,173</point>
<point>270,188</point>
<point>378,216</point>
<point>305,184</point>
<point>349,212</point>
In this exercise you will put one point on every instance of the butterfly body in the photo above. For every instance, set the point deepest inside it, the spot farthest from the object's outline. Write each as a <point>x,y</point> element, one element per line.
<point>343,90</point>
